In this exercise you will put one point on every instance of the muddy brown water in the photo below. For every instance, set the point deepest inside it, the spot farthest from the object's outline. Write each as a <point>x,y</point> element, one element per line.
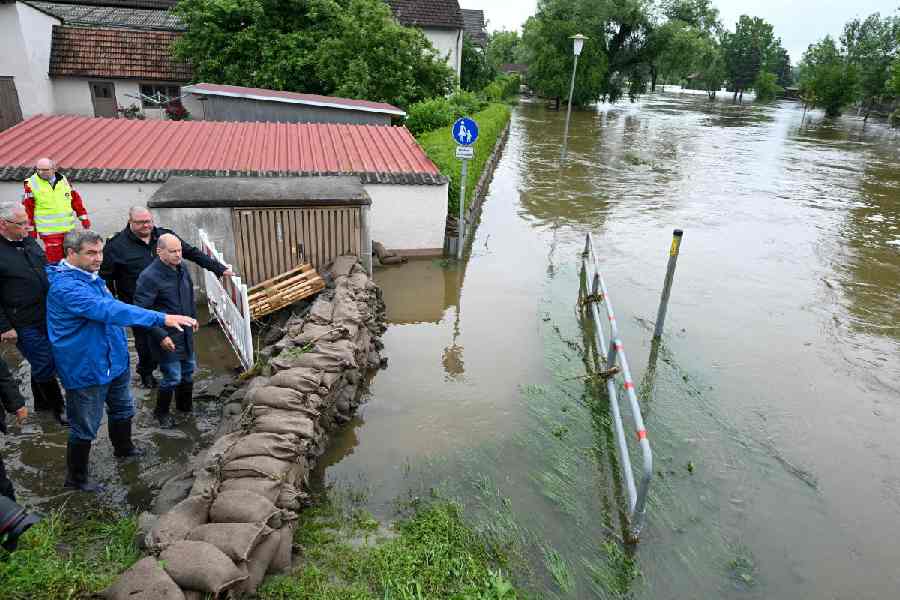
<point>35,454</point>
<point>772,408</point>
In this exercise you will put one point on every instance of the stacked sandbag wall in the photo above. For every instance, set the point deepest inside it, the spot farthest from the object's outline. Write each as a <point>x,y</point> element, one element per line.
<point>237,522</point>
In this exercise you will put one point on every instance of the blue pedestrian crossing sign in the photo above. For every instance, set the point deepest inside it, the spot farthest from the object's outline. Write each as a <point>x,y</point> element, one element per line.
<point>465,131</point>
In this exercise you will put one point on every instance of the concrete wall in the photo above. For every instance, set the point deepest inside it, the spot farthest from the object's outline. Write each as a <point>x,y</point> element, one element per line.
<point>25,35</point>
<point>409,217</point>
<point>73,96</point>
<point>448,43</point>
<point>224,108</point>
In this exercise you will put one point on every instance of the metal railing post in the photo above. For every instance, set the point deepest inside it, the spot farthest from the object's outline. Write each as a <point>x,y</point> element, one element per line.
<point>667,286</point>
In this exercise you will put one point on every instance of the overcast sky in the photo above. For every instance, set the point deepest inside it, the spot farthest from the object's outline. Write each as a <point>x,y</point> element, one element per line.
<point>798,23</point>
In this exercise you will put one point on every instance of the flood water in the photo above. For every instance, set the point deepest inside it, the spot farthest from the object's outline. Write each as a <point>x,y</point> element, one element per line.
<point>773,404</point>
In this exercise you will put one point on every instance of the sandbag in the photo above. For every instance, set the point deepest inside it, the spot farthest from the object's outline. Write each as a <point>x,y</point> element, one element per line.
<point>333,357</point>
<point>314,332</point>
<point>290,498</point>
<point>305,409</point>
<point>200,566</point>
<point>281,398</point>
<point>303,380</point>
<point>174,490</point>
<point>255,466</point>
<point>282,560</point>
<point>285,422</point>
<point>236,540</point>
<point>283,447</point>
<point>321,312</point>
<point>178,522</point>
<point>145,580</point>
<point>205,483</point>
<point>258,563</point>
<point>214,456</point>
<point>241,506</point>
<point>270,489</point>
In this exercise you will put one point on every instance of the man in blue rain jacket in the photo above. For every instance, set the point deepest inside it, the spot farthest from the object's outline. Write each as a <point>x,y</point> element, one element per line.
<point>85,325</point>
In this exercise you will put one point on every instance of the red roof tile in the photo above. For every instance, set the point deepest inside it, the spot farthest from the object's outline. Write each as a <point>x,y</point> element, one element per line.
<point>214,89</point>
<point>116,53</point>
<point>116,150</point>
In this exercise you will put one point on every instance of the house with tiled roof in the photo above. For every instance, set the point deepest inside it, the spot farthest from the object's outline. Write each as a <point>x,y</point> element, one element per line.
<point>440,20</point>
<point>87,57</point>
<point>475,27</point>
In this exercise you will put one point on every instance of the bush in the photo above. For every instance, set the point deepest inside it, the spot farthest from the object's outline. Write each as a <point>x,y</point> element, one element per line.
<point>435,113</point>
<point>766,87</point>
<point>441,149</point>
<point>502,88</point>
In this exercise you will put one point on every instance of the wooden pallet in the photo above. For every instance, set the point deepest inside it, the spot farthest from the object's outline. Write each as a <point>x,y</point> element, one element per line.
<point>287,288</point>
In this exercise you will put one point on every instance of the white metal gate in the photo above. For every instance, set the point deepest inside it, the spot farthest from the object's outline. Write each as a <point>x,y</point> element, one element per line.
<point>229,301</point>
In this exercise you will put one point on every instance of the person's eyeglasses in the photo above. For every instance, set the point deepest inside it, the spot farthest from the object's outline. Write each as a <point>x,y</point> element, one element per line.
<point>18,223</point>
<point>146,222</point>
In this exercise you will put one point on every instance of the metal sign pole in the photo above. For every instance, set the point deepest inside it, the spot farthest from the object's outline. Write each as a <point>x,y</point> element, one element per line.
<point>462,209</point>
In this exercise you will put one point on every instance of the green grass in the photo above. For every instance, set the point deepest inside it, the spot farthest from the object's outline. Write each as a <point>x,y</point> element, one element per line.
<point>68,556</point>
<point>432,554</point>
<point>441,149</point>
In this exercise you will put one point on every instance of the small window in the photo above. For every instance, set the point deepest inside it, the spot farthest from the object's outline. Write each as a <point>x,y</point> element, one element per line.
<point>156,95</point>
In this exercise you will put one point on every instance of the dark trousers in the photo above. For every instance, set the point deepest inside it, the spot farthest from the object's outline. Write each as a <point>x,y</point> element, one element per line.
<point>143,344</point>
<point>35,347</point>
<point>6,486</point>
<point>85,406</point>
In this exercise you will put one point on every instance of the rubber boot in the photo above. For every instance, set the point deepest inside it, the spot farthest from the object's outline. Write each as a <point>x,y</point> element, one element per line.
<point>120,436</point>
<point>184,397</point>
<point>49,396</point>
<point>41,401</point>
<point>163,402</point>
<point>78,457</point>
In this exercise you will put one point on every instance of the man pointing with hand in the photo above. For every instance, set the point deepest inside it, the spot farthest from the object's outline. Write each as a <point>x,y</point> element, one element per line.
<point>85,325</point>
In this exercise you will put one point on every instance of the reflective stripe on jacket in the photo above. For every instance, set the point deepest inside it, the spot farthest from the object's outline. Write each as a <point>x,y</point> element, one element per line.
<point>52,205</point>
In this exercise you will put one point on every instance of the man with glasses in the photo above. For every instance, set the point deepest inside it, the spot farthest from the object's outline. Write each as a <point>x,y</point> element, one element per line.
<point>53,207</point>
<point>125,257</point>
<point>86,329</point>
<point>23,299</point>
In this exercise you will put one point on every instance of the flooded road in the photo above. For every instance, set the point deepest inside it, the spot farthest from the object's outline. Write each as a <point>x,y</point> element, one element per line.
<point>772,407</point>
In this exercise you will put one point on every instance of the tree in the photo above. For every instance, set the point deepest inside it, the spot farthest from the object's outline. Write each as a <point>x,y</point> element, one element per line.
<point>871,47</point>
<point>350,48</point>
<point>504,47</point>
<point>711,71</point>
<point>766,86</point>
<point>827,78</point>
<point>747,51</point>
<point>782,68</point>
<point>684,39</point>
<point>548,49</point>
<point>477,72</point>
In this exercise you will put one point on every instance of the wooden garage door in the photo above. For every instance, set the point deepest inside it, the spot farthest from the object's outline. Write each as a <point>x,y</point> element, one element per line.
<point>271,241</point>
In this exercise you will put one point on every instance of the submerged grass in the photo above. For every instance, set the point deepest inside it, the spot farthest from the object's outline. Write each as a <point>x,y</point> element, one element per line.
<point>430,554</point>
<point>68,555</point>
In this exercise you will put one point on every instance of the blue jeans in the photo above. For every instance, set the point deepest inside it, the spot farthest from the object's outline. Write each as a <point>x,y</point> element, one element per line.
<point>35,347</point>
<point>85,406</point>
<point>176,372</point>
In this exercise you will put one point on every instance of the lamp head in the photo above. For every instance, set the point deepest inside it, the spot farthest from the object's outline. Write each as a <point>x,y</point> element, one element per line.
<point>578,40</point>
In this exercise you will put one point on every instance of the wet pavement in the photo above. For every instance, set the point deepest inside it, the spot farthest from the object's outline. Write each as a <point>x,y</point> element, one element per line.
<point>35,454</point>
<point>773,403</point>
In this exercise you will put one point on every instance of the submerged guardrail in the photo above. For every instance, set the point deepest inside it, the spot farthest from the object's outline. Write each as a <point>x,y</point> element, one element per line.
<point>612,354</point>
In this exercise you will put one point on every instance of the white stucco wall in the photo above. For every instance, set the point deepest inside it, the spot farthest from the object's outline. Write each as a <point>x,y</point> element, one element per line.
<point>448,42</point>
<point>409,217</point>
<point>25,35</point>
<point>73,96</point>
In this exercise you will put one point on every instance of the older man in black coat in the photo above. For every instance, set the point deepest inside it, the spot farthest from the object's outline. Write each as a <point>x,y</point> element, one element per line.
<point>125,257</point>
<point>166,286</point>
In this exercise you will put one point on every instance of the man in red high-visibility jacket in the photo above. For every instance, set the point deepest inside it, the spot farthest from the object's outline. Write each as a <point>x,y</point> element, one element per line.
<point>53,208</point>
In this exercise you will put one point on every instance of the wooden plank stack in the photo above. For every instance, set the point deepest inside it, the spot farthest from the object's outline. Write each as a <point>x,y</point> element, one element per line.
<point>287,288</point>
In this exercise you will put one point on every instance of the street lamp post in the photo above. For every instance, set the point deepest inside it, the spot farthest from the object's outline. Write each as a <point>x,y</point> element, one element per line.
<point>578,44</point>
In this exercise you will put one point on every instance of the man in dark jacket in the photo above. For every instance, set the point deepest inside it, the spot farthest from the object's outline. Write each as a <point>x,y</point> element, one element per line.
<point>125,257</point>
<point>11,401</point>
<point>166,286</point>
<point>23,297</point>
<point>85,325</point>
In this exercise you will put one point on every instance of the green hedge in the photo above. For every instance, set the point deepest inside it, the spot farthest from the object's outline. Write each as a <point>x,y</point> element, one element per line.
<point>441,148</point>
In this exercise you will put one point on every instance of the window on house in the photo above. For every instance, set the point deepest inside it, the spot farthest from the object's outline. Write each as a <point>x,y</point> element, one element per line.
<point>160,92</point>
